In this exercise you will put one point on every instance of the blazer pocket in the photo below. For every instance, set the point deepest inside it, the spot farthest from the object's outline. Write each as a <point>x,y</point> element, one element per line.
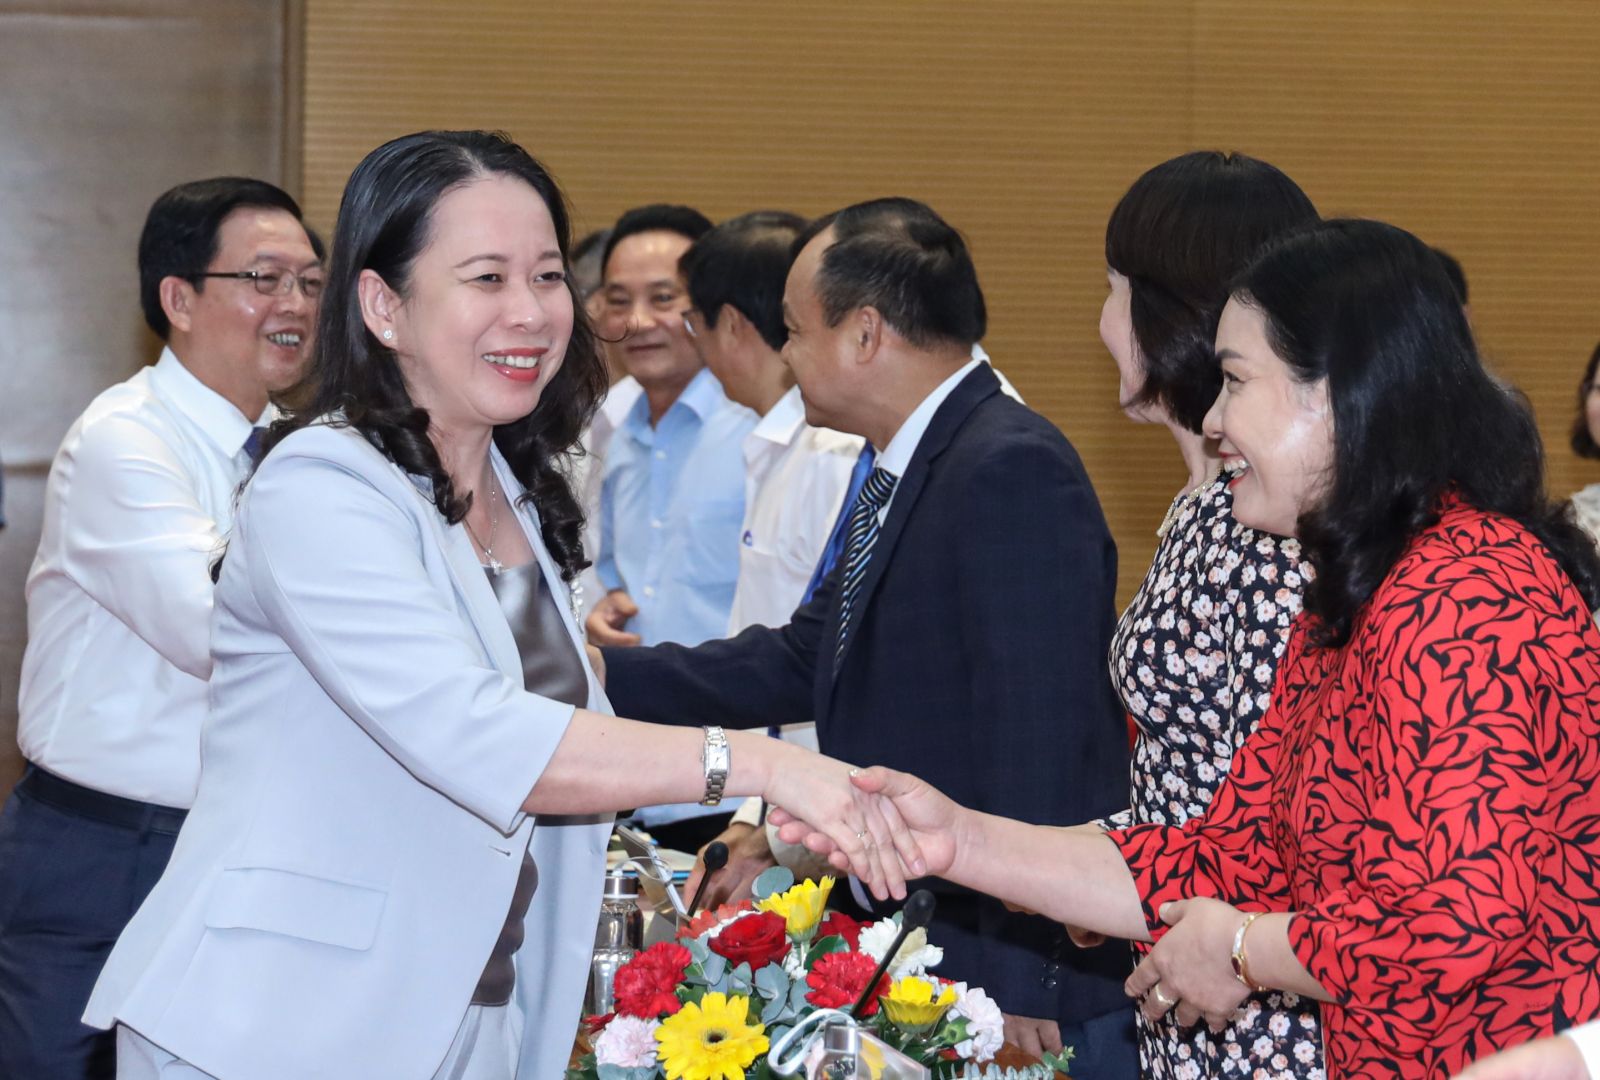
<point>296,905</point>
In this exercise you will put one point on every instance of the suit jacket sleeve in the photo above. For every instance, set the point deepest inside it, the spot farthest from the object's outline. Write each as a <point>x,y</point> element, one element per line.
<point>1037,579</point>
<point>336,569</point>
<point>763,676</point>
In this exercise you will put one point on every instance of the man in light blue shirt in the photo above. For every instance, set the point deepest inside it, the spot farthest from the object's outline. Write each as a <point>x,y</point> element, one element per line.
<point>671,507</point>
<point>672,497</point>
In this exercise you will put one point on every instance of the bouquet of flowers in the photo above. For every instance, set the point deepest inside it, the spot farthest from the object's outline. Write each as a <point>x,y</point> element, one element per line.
<point>709,1005</point>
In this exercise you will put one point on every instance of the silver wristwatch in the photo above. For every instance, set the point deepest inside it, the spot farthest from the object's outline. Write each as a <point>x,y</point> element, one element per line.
<point>716,759</point>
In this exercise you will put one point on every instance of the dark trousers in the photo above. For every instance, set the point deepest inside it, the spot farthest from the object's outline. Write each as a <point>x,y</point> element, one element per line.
<point>1104,1047</point>
<point>74,867</point>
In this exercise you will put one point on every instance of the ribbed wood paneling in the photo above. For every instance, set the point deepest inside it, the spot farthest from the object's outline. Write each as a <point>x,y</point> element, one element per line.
<point>1476,124</point>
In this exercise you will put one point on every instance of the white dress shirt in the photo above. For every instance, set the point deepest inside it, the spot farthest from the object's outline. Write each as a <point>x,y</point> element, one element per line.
<point>1587,1036</point>
<point>139,499</point>
<point>589,470</point>
<point>795,480</point>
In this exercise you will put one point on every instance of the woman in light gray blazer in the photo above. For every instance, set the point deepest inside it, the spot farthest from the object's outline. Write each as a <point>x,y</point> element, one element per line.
<point>408,749</point>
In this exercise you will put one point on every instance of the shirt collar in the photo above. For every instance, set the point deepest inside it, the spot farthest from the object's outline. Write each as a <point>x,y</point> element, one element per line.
<point>783,421</point>
<point>897,455</point>
<point>701,397</point>
<point>212,413</point>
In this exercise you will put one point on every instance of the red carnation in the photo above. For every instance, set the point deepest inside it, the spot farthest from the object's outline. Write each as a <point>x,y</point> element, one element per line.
<point>757,939</point>
<point>836,981</point>
<point>646,986</point>
<point>839,923</point>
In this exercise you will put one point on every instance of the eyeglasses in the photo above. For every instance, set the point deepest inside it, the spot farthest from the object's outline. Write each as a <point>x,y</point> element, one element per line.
<point>274,282</point>
<point>688,322</point>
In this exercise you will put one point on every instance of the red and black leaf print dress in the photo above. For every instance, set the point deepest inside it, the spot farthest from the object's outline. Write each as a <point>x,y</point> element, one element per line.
<point>1426,798</point>
<point>1193,659</point>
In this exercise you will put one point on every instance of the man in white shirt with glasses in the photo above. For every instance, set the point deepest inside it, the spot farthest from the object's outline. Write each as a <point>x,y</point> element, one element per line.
<point>113,688</point>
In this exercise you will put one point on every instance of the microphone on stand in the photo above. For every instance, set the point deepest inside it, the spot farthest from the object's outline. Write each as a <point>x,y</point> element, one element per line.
<point>918,912</point>
<point>715,858</point>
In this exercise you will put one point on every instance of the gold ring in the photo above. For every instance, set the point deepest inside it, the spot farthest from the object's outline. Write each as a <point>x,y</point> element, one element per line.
<point>1161,997</point>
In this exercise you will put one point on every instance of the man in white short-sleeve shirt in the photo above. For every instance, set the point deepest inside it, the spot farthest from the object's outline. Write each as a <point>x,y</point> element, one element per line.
<point>113,688</point>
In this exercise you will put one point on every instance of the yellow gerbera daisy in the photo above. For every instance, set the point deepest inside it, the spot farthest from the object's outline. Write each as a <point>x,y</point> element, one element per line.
<point>801,907</point>
<point>914,1007</point>
<point>711,1040</point>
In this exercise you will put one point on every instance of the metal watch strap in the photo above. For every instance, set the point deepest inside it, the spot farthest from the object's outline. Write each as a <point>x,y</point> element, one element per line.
<point>1241,967</point>
<point>716,759</point>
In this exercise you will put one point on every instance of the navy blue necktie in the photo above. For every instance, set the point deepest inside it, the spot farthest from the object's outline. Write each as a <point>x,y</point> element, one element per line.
<point>252,445</point>
<point>834,549</point>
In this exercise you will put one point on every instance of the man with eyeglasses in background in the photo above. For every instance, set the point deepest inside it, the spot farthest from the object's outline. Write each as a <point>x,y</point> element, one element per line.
<point>672,496</point>
<point>113,688</point>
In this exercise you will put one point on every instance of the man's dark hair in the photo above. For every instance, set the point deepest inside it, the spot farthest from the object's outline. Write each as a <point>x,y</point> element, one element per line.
<point>318,248</point>
<point>743,262</point>
<point>686,221</point>
<point>181,230</point>
<point>585,264</point>
<point>1453,271</point>
<point>898,256</point>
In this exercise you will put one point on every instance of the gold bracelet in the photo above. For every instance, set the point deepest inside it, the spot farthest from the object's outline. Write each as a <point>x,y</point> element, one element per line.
<point>1241,969</point>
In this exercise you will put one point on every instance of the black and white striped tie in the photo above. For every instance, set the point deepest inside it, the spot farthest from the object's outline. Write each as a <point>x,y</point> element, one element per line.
<point>858,544</point>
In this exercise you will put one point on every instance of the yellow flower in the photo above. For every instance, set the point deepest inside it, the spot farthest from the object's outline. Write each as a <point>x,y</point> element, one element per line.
<point>913,1006</point>
<point>711,1040</point>
<point>801,907</point>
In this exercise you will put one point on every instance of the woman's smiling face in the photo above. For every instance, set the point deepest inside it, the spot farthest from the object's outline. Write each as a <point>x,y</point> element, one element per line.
<point>1275,433</point>
<point>486,315</point>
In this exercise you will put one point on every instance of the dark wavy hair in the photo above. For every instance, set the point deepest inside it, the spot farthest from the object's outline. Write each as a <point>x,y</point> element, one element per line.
<point>384,224</point>
<point>1181,234</point>
<point>1583,443</point>
<point>1369,308</point>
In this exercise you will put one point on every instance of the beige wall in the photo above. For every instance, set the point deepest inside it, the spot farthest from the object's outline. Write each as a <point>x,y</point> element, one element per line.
<point>1475,124</point>
<point>107,103</point>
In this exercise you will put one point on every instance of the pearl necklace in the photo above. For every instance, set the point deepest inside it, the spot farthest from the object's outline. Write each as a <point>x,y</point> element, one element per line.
<point>494,523</point>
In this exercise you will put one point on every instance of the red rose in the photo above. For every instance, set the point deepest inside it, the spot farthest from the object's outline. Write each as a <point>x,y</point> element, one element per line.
<point>757,939</point>
<point>836,981</point>
<point>843,925</point>
<point>646,986</point>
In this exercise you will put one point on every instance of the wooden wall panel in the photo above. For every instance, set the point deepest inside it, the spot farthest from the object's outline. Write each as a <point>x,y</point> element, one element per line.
<point>1476,123</point>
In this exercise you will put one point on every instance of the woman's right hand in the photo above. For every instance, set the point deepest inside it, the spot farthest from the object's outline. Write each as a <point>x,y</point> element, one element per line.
<point>857,829</point>
<point>926,817</point>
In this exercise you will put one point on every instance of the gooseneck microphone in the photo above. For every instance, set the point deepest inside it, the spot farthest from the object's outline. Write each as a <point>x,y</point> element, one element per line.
<point>918,912</point>
<point>715,858</point>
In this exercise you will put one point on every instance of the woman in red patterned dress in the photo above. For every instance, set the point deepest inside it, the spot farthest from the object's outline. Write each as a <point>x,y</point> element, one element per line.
<point>1412,834</point>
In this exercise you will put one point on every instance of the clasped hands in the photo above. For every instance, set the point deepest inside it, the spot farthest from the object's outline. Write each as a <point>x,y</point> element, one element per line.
<point>1188,973</point>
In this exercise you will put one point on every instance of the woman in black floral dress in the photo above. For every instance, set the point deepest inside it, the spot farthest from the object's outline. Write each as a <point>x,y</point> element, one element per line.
<point>1194,654</point>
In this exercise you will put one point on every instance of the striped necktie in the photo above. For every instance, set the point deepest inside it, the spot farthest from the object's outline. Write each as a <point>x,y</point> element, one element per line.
<point>841,525</point>
<point>858,545</point>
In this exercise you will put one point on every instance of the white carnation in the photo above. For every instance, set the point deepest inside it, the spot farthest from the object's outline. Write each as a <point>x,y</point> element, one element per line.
<point>915,957</point>
<point>986,1027</point>
<point>628,1042</point>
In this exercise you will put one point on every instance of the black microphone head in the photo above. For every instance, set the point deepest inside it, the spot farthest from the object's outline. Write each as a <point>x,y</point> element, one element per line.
<point>716,856</point>
<point>918,910</point>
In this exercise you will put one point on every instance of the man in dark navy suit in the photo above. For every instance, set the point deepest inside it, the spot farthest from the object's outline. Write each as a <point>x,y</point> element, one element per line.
<point>963,634</point>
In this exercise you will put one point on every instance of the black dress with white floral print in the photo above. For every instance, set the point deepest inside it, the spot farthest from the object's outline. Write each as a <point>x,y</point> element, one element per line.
<point>1193,660</point>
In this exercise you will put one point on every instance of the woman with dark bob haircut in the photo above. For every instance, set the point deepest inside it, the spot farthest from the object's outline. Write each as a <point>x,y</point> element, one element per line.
<point>1586,503</point>
<point>1412,834</point>
<point>1194,653</point>
<point>393,864</point>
